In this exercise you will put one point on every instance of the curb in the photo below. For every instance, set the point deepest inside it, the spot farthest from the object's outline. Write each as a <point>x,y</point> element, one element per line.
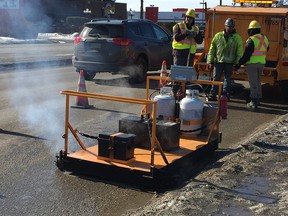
<point>35,64</point>
<point>261,129</point>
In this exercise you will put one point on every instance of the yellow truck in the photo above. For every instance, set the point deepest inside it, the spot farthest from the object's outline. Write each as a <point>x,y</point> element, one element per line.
<point>274,24</point>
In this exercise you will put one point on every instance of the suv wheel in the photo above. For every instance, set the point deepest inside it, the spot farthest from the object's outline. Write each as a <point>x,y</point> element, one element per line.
<point>139,74</point>
<point>89,75</point>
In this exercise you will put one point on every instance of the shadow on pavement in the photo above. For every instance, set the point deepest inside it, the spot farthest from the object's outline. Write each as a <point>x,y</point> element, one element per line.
<point>19,134</point>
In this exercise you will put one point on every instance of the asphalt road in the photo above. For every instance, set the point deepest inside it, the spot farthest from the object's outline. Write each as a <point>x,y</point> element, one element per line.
<point>31,129</point>
<point>32,117</point>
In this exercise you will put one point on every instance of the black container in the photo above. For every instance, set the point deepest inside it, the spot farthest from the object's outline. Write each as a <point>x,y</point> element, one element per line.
<point>105,144</point>
<point>135,125</point>
<point>124,146</point>
<point>168,133</point>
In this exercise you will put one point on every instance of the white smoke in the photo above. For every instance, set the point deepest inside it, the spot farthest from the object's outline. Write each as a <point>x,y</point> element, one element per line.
<point>37,108</point>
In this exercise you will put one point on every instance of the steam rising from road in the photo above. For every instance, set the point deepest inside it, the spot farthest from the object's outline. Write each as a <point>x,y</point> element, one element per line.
<point>35,96</point>
<point>36,101</point>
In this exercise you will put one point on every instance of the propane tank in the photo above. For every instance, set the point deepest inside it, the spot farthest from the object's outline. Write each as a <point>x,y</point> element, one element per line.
<point>165,104</point>
<point>223,106</point>
<point>191,112</point>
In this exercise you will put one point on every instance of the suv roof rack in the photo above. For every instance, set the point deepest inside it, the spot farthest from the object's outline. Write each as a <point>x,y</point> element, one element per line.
<point>136,20</point>
<point>105,20</point>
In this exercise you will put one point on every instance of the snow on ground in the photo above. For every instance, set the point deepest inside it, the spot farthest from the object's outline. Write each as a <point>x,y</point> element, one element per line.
<point>57,36</point>
<point>42,38</point>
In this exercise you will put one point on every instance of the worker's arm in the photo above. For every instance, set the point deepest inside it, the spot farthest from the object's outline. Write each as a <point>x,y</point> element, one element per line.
<point>212,51</point>
<point>249,49</point>
<point>239,49</point>
<point>178,36</point>
<point>199,38</point>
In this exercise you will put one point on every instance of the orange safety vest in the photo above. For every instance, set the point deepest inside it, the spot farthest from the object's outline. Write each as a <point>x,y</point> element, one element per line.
<point>260,51</point>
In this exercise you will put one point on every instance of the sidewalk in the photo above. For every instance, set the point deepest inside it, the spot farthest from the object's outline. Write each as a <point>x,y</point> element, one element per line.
<point>35,54</point>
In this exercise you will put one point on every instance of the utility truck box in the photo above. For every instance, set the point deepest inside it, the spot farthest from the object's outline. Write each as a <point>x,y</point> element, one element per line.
<point>274,25</point>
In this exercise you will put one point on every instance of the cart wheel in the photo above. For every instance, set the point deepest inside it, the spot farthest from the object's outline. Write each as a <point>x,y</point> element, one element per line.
<point>59,161</point>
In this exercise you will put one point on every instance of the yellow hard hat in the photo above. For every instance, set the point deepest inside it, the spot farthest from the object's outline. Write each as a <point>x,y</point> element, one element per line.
<point>254,25</point>
<point>191,13</point>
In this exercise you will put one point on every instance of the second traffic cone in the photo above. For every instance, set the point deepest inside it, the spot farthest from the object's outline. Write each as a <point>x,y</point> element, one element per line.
<point>82,101</point>
<point>163,75</point>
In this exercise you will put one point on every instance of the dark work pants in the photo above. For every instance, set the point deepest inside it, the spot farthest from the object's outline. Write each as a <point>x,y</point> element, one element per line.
<point>181,60</point>
<point>219,70</point>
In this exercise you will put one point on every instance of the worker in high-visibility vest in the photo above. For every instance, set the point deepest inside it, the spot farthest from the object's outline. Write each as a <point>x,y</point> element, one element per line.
<point>225,51</point>
<point>254,57</point>
<point>185,37</point>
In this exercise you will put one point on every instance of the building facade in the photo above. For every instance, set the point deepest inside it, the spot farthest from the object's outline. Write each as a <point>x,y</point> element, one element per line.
<point>68,16</point>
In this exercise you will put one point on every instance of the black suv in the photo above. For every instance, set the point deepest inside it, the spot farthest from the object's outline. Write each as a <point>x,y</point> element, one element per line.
<point>122,46</point>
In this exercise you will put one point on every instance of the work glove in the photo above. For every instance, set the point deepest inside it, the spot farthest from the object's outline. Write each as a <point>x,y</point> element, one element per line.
<point>190,33</point>
<point>237,66</point>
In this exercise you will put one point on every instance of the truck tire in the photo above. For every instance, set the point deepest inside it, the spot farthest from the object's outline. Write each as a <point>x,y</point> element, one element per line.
<point>284,89</point>
<point>139,74</point>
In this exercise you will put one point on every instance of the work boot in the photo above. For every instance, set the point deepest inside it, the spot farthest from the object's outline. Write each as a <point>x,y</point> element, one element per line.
<point>252,105</point>
<point>212,97</point>
<point>258,102</point>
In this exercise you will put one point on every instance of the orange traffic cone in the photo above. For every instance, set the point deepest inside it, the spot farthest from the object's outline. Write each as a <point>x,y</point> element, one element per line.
<point>82,101</point>
<point>163,75</point>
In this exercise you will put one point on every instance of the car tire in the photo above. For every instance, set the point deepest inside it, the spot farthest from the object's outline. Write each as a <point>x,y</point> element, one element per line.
<point>140,73</point>
<point>89,75</point>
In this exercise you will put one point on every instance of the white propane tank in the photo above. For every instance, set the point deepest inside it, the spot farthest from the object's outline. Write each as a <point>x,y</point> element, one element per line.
<point>191,112</point>
<point>165,103</point>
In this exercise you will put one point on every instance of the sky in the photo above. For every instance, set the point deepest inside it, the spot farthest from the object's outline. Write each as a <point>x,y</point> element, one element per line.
<point>168,5</point>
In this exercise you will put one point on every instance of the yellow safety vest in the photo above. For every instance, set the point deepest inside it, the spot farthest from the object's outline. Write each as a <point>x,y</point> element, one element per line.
<point>260,49</point>
<point>185,44</point>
